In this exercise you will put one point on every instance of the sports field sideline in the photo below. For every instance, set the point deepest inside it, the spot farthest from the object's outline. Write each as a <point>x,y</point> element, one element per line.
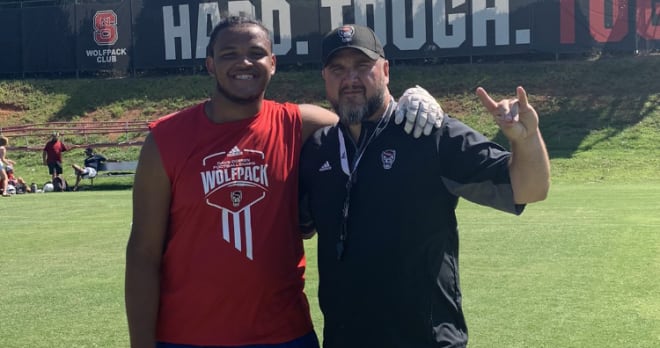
<point>581,269</point>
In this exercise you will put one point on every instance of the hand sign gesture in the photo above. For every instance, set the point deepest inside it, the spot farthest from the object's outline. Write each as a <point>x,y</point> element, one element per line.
<point>529,166</point>
<point>516,118</point>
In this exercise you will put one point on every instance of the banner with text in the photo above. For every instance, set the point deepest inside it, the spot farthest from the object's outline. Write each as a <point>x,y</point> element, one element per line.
<point>153,34</point>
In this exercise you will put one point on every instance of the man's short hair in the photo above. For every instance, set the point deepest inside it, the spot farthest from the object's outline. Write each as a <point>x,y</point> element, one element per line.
<point>232,21</point>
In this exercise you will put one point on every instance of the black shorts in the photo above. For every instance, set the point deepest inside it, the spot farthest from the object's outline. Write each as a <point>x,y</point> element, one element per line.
<point>55,168</point>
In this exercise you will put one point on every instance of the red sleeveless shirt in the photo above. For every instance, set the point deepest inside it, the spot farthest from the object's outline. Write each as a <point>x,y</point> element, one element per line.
<point>232,269</point>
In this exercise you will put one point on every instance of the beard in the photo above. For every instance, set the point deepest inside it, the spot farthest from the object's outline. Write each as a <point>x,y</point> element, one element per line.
<point>235,98</point>
<point>351,113</point>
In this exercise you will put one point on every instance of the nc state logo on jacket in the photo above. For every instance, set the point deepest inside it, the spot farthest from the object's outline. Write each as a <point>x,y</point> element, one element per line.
<point>388,157</point>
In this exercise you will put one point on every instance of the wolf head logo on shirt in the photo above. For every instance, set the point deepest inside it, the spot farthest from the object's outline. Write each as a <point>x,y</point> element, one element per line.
<point>236,198</point>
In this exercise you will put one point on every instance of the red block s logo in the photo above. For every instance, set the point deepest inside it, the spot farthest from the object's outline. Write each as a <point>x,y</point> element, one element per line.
<point>105,28</point>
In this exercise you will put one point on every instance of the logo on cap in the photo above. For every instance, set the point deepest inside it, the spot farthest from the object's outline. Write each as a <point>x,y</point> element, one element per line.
<point>346,33</point>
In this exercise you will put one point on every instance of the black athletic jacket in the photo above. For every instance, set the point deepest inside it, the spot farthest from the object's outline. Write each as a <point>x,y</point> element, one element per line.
<point>397,283</point>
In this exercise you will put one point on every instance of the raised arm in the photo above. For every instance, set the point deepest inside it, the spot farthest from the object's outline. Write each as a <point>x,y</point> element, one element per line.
<point>151,203</point>
<point>530,165</point>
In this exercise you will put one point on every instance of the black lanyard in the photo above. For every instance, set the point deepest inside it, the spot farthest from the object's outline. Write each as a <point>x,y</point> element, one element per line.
<point>351,170</point>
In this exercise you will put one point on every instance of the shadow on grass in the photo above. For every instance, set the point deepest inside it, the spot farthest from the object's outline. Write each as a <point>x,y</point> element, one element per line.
<point>109,187</point>
<point>108,184</point>
<point>573,99</point>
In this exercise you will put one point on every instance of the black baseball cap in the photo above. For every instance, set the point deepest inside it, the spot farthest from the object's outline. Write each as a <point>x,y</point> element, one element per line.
<point>351,36</point>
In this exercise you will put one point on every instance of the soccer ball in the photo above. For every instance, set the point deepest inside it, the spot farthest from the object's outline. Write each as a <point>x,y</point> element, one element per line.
<point>48,187</point>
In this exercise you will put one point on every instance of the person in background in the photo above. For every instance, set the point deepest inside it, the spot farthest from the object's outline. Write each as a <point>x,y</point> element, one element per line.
<point>383,203</point>
<point>52,155</point>
<point>18,183</point>
<point>5,163</point>
<point>214,256</point>
<point>22,186</point>
<point>89,168</point>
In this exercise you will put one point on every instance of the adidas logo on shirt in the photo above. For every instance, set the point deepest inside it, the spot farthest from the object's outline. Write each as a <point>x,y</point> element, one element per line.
<point>235,152</point>
<point>325,167</point>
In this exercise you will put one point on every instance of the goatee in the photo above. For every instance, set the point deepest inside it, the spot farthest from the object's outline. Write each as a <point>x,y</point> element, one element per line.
<point>352,114</point>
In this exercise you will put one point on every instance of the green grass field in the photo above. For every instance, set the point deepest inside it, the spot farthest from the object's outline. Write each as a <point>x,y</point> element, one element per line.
<point>579,270</point>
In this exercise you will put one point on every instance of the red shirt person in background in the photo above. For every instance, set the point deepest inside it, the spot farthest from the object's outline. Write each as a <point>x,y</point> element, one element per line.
<point>52,155</point>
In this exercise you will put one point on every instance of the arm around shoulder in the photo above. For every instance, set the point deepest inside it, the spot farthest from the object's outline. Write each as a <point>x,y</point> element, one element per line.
<point>315,117</point>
